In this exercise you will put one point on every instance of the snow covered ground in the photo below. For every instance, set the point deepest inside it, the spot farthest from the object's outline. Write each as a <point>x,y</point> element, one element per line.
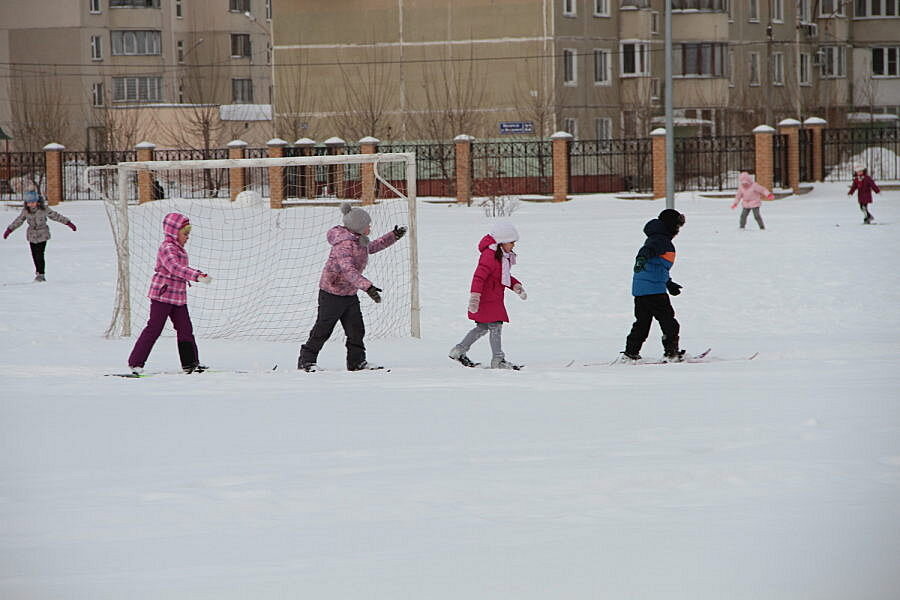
<point>776,478</point>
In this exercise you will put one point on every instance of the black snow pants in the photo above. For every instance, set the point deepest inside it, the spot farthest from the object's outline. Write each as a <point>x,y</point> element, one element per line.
<point>647,308</point>
<point>332,309</point>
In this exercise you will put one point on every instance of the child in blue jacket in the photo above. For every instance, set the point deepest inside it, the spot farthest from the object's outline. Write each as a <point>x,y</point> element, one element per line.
<point>649,285</point>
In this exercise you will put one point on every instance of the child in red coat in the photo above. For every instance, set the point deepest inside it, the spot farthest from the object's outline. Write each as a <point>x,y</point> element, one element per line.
<point>864,185</point>
<point>492,277</point>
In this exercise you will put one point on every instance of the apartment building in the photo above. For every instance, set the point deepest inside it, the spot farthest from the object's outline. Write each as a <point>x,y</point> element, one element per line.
<point>431,69</point>
<point>75,71</point>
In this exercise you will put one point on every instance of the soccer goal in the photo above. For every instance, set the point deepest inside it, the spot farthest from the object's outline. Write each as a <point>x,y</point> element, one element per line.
<point>264,262</point>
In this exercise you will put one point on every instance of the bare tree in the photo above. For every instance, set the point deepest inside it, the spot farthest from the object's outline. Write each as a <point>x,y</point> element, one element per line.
<point>39,113</point>
<point>295,101</point>
<point>365,99</point>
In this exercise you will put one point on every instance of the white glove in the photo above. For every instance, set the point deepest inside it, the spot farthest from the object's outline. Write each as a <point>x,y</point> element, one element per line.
<point>204,279</point>
<point>520,291</point>
<point>474,302</point>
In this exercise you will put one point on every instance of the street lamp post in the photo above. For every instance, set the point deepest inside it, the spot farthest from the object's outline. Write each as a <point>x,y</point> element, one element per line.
<point>670,128</point>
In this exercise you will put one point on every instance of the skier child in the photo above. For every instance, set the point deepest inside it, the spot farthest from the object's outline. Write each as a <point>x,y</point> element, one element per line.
<point>750,195</point>
<point>864,185</point>
<point>168,298</point>
<point>341,279</point>
<point>36,213</point>
<point>492,277</point>
<point>649,285</point>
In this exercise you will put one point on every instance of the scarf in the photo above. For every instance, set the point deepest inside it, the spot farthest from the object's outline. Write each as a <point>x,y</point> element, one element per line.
<point>508,260</point>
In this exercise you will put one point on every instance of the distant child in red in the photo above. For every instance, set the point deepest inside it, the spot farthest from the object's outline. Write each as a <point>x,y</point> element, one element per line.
<point>864,186</point>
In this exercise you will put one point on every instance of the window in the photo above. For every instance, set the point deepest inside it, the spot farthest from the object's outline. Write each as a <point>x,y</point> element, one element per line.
<point>877,8</point>
<point>731,68</point>
<point>754,68</point>
<point>654,88</point>
<point>240,45</point>
<point>601,8</point>
<point>135,43</point>
<point>134,3</point>
<point>601,67</point>
<point>778,11</point>
<point>603,128</point>
<point>96,94</point>
<point>803,72</point>
<point>833,62</point>
<point>179,50</point>
<point>178,11</point>
<point>96,47</point>
<point>703,59</point>
<point>180,92</point>
<point>94,7</point>
<point>716,5</point>
<point>269,10</point>
<point>569,8</point>
<point>804,11</point>
<point>239,5</point>
<point>242,91</point>
<point>778,68</point>
<point>831,8</point>
<point>730,8</point>
<point>884,61</point>
<point>654,22</point>
<point>569,67</point>
<point>137,89</point>
<point>635,58</point>
<point>753,10</point>
<point>570,125</point>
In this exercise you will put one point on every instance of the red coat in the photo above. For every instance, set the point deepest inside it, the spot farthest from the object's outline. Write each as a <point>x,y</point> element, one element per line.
<point>486,281</point>
<point>866,185</point>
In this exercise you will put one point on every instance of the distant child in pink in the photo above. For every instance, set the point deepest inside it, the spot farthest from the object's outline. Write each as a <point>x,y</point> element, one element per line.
<point>750,195</point>
<point>864,186</point>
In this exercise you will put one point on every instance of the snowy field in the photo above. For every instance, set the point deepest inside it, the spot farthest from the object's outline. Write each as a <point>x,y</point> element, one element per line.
<point>771,479</point>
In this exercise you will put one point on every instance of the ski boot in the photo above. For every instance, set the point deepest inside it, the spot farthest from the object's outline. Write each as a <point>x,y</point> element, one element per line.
<point>459,356</point>
<point>502,363</point>
<point>364,366</point>
<point>674,356</point>
<point>630,357</point>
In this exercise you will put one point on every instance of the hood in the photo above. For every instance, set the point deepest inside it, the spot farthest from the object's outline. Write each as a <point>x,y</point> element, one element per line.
<point>172,223</point>
<point>486,242</point>
<point>339,233</point>
<point>746,179</point>
<point>656,227</point>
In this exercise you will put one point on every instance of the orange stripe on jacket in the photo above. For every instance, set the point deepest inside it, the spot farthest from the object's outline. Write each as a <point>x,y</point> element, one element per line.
<point>669,256</point>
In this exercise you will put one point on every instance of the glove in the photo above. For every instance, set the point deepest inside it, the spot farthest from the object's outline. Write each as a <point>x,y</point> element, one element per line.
<point>771,196</point>
<point>673,287</point>
<point>399,231</point>
<point>520,291</point>
<point>204,278</point>
<point>639,263</point>
<point>6,233</point>
<point>474,302</point>
<point>71,226</point>
<point>733,206</point>
<point>373,293</point>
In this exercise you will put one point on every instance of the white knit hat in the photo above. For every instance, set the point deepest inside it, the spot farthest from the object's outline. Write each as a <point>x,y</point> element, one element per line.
<point>504,232</point>
<point>355,219</point>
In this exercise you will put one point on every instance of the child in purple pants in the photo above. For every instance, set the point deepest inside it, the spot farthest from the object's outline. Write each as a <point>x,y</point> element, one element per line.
<point>168,297</point>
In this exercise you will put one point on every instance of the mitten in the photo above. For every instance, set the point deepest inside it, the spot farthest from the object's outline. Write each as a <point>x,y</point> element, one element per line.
<point>399,231</point>
<point>673,287</point>
<point>474,302</point>
<point>6,233</point>
<point>204,278</point>
<point>733,206</point>
<point>639,263</point>
<point>71,226</point>
<point>771,196</point>
<point>520,291</point>
<point>373,293</point>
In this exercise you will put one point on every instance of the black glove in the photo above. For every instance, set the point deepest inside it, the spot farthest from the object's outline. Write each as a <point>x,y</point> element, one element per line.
<point>399,231</point>
<point>373,293</point>
<point>673,287</point>
<point>639,263</point>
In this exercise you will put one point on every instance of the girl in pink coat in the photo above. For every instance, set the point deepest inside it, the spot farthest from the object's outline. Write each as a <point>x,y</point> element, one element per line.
<point>864,186</point>
<point>750,194</point>
<point>168,297</point>
<point>492,277</point>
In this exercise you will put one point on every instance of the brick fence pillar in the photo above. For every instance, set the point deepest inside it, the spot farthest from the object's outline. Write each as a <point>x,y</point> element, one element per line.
<point>791,128</point>
<point>817,126</point>
<point>561,141</point>
<point>307,174</point>
<point>236,176</point>
<point>276,174</point>
<point>765,170</point>
<point>368,145</point>
<point>53,164</point>
<point>658,157</point>
<point>462,146</point>
<point>145,178</point>
<point>336,146</point>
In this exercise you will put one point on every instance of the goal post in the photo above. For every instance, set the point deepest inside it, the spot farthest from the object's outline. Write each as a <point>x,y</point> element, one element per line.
<point>264,262</point>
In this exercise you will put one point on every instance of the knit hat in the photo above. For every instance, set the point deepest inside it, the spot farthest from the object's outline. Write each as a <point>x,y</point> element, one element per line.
<point>355,219</point>
<point>672,219</point>
<point>32,196</point>
<point>504,232</point>
<point>859,168</point>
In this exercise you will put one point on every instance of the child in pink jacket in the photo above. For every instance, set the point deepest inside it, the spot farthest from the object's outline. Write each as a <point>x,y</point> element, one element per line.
<point>492,277</point>
<point>864,186</point>
<point>750,195</point>
<point>168,298</point>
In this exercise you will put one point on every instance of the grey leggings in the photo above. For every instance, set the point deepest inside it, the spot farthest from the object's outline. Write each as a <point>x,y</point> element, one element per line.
<point>478,331</point>
<point>746,211</point>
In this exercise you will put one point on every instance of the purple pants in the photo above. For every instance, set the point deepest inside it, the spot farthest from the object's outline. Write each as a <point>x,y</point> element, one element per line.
<point>159,312</point>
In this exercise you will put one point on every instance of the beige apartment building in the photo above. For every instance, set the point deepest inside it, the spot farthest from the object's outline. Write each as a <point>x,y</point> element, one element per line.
<point>105,74</point>
<point>432,69</point>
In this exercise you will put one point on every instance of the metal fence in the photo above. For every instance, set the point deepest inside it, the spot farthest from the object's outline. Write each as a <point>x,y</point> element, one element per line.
<point>877,149</point>
<point>435,168</point>
<point>604,166</point>
<point>511,168</point>
<point>21,171</point>
<point>780,171</point>
<point>75,163</point>
<point>806,155</point>
<point>706,164</point>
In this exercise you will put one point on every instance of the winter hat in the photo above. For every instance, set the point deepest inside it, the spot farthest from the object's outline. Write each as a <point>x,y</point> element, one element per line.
<point>32,196</point>
<point>504,232</point>
<point>355,219</point>
<point>859,168</point>
<point>672,219</point>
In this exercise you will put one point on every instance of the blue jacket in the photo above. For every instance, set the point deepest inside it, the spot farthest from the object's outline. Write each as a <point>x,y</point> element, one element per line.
<point>660,254</point>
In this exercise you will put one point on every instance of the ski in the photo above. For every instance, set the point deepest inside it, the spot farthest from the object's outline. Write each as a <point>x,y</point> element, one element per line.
<point>156,373</point>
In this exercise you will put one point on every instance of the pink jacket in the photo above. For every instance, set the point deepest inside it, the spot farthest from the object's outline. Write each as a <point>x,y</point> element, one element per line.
<point>342,275</point>
<point>866,185</point>
<point>170,281</point>
<point>750,193</point>
<point>486,281</point>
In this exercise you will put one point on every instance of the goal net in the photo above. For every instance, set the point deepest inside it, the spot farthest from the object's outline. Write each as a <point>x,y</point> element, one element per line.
<point>264,262</point>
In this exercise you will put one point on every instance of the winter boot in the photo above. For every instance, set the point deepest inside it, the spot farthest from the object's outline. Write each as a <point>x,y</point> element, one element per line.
<point>632,356</point>
<point>40,277</point>
<point>364,366</point>
<point>459,356</point>
<point>674,356</point>
<point>187,352</point>
<point>502,363</point>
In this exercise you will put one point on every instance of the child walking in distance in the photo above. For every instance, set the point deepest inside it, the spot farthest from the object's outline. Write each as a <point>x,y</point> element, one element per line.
<point>492,277</point>
<point>864,186</point>
<point>341,279</point>
<point>750,195</point>
<point>36,213</point>
<point>649,285</point>
<point>168,298</point>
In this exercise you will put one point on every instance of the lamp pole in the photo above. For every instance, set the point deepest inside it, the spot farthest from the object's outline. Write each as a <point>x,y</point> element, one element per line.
<point>670,128</point>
